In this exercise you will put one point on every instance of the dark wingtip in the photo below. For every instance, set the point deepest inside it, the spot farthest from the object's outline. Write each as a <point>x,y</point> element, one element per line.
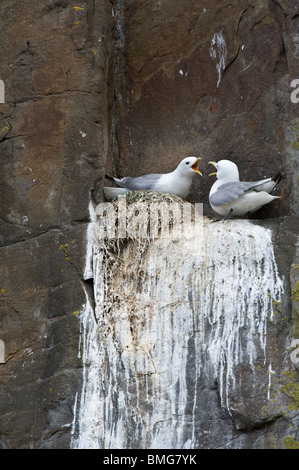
<point>277,177</point>
<point>109,177</point>
<point>280,175</point>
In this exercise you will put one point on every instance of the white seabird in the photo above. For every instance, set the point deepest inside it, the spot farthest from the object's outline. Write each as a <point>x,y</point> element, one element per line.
<point>178,182</point>
<point>229,195</point>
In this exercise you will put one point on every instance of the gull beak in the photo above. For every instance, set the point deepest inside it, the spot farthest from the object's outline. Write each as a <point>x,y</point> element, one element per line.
<point>214,172</point>
<point>194,166</point>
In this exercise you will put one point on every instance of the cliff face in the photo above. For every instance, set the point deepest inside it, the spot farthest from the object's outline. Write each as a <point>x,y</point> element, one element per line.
<point>54,142</point>
<point>194,339</point>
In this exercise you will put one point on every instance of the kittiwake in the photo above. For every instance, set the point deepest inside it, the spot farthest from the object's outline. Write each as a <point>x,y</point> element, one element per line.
<point>230,196</point>
<point>178,182</point>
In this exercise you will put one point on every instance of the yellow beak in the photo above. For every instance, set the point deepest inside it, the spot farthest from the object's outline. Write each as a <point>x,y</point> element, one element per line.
<point>214,172</point>
<point>194,166</point>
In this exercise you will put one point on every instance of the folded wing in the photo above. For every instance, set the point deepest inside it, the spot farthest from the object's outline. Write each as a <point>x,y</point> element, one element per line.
<point>139,182</point>
<point>231,191</point>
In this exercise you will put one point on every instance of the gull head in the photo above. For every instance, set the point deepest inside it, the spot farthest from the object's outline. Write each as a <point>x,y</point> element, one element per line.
<point>188,166</point>
<point>225,170</point>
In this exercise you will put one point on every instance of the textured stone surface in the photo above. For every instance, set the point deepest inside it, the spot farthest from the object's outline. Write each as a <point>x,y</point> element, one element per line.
<point>54,141</point>
<point>129,87</point>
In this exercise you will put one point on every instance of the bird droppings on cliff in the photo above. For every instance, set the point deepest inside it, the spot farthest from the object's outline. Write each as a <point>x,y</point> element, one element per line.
<point>230,196</point>
<point>177,182</point>
<point>186,316</point>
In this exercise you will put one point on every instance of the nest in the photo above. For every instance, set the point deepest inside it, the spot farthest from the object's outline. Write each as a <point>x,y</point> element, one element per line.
<point>125,229</point>
<point>150,197</point>
<point>140,215</point>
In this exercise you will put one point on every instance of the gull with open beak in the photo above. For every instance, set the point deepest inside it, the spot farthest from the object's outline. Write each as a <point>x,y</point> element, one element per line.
<point>230,196</point>
<point>178,182</point>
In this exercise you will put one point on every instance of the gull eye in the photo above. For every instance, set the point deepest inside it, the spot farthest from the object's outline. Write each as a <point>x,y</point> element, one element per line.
<point>187,163</point>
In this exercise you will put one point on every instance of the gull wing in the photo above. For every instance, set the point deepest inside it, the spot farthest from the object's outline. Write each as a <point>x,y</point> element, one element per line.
<point>228,192</point>
<point>139,182</point>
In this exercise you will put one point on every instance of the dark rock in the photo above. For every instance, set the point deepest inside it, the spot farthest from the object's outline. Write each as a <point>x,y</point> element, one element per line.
<point>127,88</point>
<point>54,118</point>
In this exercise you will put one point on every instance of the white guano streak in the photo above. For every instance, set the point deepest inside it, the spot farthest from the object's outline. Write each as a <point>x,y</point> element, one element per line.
<point>88,409</point>
<point>215,290</point>
<point>218,51</point>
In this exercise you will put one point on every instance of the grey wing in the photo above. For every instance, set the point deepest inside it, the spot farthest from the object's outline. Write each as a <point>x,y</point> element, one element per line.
<point>139,182</point>
<point>229,192</point>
